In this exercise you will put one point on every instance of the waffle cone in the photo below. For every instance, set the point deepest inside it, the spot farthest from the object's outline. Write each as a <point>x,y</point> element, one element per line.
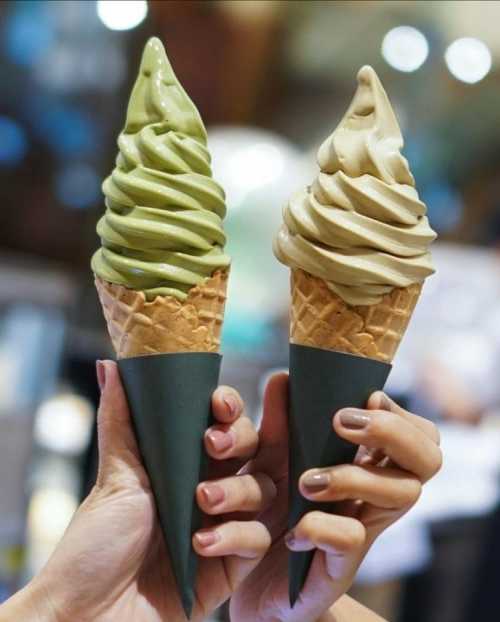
<point>321,319</point>
<point>138,327</point>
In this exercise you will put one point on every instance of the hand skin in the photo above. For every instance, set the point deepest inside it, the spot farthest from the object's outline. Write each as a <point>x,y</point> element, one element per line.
<point>112,563</point>
<point>94,577</point>
<point>398,453</point>
<point>348,610</point>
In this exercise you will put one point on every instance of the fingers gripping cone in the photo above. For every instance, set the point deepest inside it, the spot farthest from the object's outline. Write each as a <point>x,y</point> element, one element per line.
<point>339,355</point>
<point>168,361</point>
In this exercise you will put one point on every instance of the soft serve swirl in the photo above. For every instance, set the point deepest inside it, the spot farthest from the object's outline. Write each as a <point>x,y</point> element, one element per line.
<point>361,226</point>
<point>162,230</point>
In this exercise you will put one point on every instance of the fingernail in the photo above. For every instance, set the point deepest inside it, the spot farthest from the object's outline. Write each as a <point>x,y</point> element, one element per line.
<point>232,403</point>
<point>213,494</point>
<point>353,419</point>
<point>221,441</point>
<point>101,375</point>
<point>290,539</point>
<point>207,538</point>
<point>315,482</point>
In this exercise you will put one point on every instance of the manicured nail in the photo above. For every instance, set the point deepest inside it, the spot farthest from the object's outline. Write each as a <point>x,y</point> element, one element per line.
<point>232,404</point>
<point>221,441</point>
<point>353,419</point>
<point>213,494</point>
<point>290,539</point>
<point>316,482</point>
<point>207,538</point>
<point>101,375</point>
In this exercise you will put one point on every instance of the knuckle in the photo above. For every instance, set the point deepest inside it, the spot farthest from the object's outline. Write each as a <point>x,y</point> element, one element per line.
<point>353,537</point>
<point>379,428</point>
<point>429,428</point>
<point>437,462</point>
<point>246,490</point>
<point>434,432</point>
<point>413,490</point>
<point>338,481</point>
<point>309,524</point>
<point>268,489</point>
<point>264,538</point>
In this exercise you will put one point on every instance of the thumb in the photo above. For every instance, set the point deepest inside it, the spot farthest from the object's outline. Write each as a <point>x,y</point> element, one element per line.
<point>273,434</point>
<point>118,450</point>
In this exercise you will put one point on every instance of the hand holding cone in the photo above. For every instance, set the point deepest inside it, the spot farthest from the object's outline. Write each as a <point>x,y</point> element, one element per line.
<point>161,275</point>
<point>357,243</point>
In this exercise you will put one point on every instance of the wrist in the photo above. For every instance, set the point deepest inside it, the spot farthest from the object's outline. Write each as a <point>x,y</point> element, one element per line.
<point>31,604</point>
<point>328,616</point>
<point>337,612</point>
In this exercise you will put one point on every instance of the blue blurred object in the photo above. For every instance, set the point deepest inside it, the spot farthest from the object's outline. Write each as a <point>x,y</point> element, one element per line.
<point>244,333</point>
<point>66,129</point>
<point>13,142</point>
<point>78,186</point>
<point>444,204</point>
<point>28,32</point>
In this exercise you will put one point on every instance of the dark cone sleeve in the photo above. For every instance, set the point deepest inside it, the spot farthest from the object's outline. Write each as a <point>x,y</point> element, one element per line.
<point>169,396</point>
<point>321,382</point>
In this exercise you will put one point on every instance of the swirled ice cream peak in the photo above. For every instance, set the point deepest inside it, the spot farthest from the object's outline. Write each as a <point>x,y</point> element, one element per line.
<point>162,229</point>
<point>360,226</point>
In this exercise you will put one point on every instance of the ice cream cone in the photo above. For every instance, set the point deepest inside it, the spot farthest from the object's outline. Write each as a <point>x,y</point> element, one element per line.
<point>140,328</point>
<point>357,243</point>
<point>161,274</point>
<point>320,318</point>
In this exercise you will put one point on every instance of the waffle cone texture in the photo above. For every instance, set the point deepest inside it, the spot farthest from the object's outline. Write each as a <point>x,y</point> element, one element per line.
<point>321,319</point>
<point>138,327</point>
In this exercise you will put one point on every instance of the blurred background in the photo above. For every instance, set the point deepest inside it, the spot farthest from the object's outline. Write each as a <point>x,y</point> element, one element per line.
<point>272,80</point>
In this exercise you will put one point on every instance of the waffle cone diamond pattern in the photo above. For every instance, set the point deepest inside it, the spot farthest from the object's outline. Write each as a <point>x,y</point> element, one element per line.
<point>321,319</point>
<point>138,327</point>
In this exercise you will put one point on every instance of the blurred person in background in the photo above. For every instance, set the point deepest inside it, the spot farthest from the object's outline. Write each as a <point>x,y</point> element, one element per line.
<point>112,563</point>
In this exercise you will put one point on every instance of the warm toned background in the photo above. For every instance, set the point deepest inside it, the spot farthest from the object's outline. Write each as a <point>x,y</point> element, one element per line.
<point>271,80</point>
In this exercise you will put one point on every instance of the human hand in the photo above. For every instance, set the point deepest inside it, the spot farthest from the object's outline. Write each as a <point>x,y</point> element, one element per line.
<point>112,562</point>
<point>398,453</point>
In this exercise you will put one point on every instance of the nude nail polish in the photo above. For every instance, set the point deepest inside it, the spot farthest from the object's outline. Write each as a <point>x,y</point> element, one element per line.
<point>353,419</point>
<point>316,482</point>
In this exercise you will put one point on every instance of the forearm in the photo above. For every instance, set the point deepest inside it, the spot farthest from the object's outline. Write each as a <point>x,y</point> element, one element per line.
<point>348,610</point>
<point>30,604</point>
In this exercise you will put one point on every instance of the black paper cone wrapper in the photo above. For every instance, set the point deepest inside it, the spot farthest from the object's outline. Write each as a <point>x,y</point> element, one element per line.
<point>321,382</point>
<point>169,396</point>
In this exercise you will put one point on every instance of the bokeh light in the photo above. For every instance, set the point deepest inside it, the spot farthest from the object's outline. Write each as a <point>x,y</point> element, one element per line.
<point>63,423</point>
<point>122,15</point>
<point>78,185</point>
<point>13,142</point>
<point>405,48</point>
<point>50,511</point>
<point>67,129</point>
<point>28,33</point>
<point>468,59</point>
